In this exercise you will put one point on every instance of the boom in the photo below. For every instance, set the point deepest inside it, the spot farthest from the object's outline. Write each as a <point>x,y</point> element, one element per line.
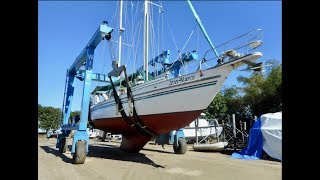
<point>202,28</point>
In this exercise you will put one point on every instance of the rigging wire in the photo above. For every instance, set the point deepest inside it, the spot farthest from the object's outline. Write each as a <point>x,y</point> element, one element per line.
<point>138,42</point>
<point>131,51</point>
<point>125,35</point>
<point>174,41</point>
<point>161,26</point>
<point>136,35</point>
<point>198,31</point>
<point>186,42</point>
<point>135,19</point>
<point>114,15</point>
<point>134,42</point>
<point>158,31</point>
<point>153,37</point>
<point>177,58</point>
<point>151,34</point>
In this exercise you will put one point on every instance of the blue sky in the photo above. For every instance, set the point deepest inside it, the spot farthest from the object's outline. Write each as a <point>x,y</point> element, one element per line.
<point>64,28</point>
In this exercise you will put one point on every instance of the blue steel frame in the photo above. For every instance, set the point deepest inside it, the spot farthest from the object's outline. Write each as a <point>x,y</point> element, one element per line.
<point>85,58</point>
<point>171,137</point>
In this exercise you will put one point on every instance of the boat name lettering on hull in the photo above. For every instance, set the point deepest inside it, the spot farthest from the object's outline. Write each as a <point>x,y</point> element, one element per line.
<point>182,80</point>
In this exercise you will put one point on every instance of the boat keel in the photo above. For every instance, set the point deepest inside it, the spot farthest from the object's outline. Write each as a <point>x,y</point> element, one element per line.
<point>133,143</point>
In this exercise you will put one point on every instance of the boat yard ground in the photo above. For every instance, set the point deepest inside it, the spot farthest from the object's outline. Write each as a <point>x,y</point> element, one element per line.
<point>106,161</point>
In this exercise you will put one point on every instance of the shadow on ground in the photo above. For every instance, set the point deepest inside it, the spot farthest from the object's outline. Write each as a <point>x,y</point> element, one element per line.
<point>160,151</point>
<point>265,156</point>
<point>55,152</point>
<point>106,152</point>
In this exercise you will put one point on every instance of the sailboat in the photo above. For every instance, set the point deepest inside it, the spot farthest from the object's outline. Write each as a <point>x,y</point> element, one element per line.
<point>144,104</point>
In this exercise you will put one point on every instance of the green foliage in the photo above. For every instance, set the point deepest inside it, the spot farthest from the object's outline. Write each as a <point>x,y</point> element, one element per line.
<point>260,94</point>
<point>48,117</point>
<point>73,114</point>
<point>217,108</point>
<point>263,92</point>
<point>234,102</point>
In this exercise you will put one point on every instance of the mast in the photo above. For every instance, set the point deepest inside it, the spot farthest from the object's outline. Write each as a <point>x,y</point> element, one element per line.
<point>121,30</point>
<point>146,38</point>
<point>202,28</point>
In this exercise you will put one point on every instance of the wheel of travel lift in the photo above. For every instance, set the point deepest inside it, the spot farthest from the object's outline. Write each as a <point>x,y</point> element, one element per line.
<point>181,148</point>
<point>80,153</point>
<point>104,136</point>
<point>63,145</point>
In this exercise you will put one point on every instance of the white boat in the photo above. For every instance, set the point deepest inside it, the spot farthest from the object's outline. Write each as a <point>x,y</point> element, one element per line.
<point>41,131</point>
<point>205,129</point>
<point>219,146</point>
<point>147,104</point>
<point>102,135</point>
<point>92,133</point>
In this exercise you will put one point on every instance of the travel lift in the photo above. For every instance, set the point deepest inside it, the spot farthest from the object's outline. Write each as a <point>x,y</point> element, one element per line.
<point>81,138</point>
<point>80,141</point>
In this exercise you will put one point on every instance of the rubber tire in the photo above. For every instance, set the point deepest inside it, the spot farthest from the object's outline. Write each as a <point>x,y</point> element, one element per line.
<point>104,137</point>
<point>63,145</point>
<point>182,148</point>
<point>80,153</point>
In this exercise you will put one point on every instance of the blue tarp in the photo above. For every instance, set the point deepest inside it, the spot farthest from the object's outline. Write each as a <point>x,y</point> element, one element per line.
<point>255,143</point>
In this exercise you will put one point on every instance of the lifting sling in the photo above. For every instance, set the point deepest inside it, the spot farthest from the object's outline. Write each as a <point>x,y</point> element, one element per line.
<point>138,124</point>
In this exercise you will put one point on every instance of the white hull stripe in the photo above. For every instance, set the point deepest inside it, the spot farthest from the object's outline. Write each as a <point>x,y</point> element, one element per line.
<point>157,94</point>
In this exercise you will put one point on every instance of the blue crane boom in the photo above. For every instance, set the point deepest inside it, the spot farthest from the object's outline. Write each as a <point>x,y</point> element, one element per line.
<point>102,31</point>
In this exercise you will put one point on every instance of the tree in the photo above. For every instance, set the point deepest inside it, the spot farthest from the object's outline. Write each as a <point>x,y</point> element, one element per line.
<point>40,110</point>
<point>262,92</point>
<point>259,94</point>
<point>217,107</point>
<point>234,102</point>
<point>73,114</point>
<point>48,117</point>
